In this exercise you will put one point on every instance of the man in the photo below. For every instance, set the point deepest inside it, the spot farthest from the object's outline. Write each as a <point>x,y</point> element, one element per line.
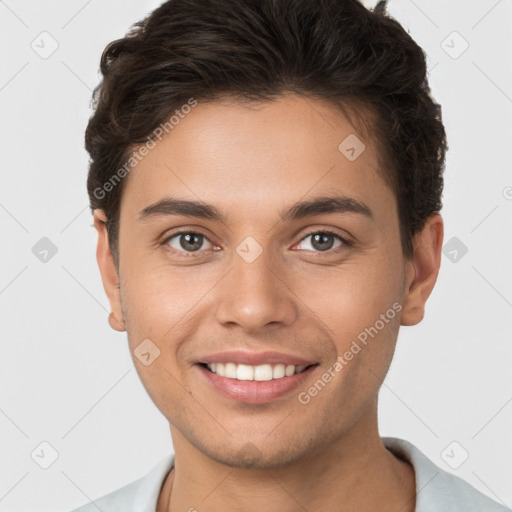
<point>266,180</point>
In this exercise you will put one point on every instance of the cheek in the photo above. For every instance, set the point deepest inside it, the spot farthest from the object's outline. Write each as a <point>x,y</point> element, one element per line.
<point>359,308</point>
<point>155,307</point>
<point>165,306</point>
<point>158,298</point>
<point>353,296</point>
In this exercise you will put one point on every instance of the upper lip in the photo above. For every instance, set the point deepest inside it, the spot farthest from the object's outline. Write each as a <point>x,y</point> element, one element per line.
<point>255,358</point>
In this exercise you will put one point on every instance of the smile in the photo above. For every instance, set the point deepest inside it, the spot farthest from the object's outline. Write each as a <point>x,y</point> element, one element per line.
<point>263,372</point>
<point>254,384</point>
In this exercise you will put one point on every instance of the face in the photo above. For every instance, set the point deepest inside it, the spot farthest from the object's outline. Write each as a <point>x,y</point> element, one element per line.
<point>248,276</point>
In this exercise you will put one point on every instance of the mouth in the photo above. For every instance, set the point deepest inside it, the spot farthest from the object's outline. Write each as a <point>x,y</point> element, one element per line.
<point>260,373</point>
<point>254,384</point>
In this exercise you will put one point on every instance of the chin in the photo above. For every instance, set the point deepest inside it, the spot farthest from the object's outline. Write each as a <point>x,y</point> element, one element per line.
<point>250,456</point>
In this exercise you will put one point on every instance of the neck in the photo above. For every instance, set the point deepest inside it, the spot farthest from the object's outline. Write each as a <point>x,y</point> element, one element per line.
<point>356,472</point>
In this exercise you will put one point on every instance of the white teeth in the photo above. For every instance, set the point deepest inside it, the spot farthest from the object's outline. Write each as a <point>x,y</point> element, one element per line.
<point>244,372</point>
<point>278,371</point>
<point>230,370</point>
<point>262,372</point>
<point>290,370</point>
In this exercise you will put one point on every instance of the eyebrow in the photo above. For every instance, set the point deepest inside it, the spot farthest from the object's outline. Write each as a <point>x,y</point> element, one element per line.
<point>299,210</point>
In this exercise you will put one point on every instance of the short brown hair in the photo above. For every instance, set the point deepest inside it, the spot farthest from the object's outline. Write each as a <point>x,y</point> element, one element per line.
<point>257,50</point>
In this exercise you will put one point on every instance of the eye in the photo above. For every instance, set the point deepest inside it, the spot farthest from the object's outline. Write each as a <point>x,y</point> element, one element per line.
<point>190,241</point>
<point>322,241</point>
<point>186,241</point>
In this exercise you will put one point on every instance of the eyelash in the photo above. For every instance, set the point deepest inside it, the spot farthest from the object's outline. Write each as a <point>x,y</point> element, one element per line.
<point>345,242</point>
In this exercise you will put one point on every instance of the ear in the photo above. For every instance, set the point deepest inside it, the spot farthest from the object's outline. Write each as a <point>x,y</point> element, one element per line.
<point>422,270</point>
<point>108,272</point>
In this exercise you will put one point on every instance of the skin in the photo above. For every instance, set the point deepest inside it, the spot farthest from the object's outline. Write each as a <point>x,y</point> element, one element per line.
<point>295,298</point>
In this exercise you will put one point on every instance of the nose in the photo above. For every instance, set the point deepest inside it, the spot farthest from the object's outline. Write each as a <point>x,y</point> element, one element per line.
<point>255,295</point>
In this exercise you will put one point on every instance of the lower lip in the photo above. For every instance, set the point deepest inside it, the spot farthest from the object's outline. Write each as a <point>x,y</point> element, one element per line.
<point>252,391</point>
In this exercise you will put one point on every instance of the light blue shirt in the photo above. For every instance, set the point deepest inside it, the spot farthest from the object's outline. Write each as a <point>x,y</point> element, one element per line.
<point>436,489</point>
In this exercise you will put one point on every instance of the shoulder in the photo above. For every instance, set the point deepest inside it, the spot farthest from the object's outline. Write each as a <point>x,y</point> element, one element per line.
<point>138,496</point>
<point>436,489</point>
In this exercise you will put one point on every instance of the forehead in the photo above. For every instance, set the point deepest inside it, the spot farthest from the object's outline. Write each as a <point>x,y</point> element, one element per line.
<point>258,155</point>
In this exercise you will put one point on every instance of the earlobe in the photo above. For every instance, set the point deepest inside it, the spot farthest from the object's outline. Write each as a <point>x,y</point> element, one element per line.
<point>422,270</point>
<point>117,325</point>
<point>108,272</point>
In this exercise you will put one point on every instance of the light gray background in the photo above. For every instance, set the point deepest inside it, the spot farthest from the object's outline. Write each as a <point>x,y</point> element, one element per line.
<point>68,379</point>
